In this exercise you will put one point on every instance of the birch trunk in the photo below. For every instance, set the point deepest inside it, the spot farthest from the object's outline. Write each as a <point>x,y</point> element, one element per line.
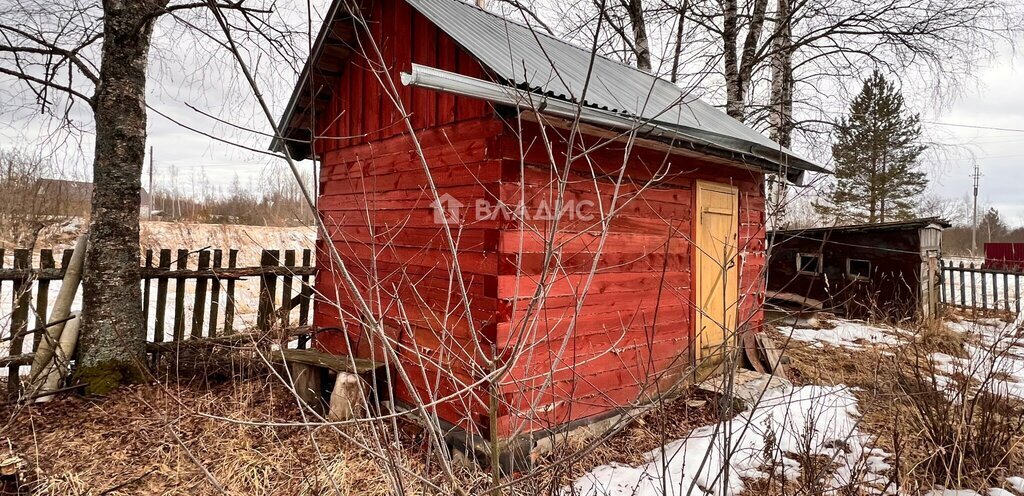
<point>641,42</point>
<point>733,86</point>
<point>781,111</point>
<point>112,342</point>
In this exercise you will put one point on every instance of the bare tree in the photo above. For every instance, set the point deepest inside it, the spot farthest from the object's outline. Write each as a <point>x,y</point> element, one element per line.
<point>36,198</point>
<point>81,55</point>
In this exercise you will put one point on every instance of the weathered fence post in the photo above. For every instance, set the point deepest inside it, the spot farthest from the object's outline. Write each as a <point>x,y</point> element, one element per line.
<point>145,290</point>
<point>1006,291</point>
<point>942,282</point>
<point>306,292</point>
<point>21,299</point>
<point>161,295</point>
<point>286,291</point>
<point>268,288</point>
<point>229,298</point>
<point>46,262</point>
<point>179,296</point>
<point>218,257</point>
<point>199,303</point>
<point>963,287</point>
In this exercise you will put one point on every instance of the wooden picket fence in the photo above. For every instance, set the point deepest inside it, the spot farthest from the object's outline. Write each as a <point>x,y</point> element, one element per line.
<point>284,284</point>
<point>973,287</point>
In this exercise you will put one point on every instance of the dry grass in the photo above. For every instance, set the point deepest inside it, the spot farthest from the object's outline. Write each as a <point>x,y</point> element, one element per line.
<point>892,413</point>
<point>128,443</point>
<point>668,421</point>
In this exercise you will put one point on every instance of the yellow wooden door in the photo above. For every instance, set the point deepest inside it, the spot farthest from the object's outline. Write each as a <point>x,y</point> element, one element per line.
<point>716,273</point>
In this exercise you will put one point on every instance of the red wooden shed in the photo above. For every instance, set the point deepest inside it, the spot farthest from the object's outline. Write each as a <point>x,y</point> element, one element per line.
<point>608,228</point>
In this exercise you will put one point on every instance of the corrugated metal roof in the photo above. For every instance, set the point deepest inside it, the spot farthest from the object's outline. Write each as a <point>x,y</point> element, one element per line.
<point>881,226</point>
<point>528,58</point>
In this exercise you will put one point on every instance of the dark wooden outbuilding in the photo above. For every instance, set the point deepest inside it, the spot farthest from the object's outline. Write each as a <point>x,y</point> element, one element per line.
<point>491,106</point>
<point>887,270</point>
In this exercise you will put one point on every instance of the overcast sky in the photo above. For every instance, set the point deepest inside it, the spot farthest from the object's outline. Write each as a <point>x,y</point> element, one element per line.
<point>997,101</point>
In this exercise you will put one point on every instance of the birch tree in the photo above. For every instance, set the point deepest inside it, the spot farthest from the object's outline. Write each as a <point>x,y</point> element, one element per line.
<point>76,57</point>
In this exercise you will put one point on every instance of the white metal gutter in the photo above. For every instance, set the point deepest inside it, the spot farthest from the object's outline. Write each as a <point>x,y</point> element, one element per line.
<point>449,82</point>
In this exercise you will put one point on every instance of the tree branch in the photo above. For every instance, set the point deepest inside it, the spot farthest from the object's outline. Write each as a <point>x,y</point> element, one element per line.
<point>49,84</point>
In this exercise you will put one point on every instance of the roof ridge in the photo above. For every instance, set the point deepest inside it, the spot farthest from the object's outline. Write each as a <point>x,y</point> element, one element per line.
<point>559,40</point>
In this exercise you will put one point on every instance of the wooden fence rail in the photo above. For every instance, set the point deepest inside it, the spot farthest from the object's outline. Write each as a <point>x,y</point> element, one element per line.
<point>206,279</point>
<point>974,287</point>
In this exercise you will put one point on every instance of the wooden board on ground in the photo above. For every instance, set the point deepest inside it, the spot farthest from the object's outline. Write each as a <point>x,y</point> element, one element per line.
<point>337,363</point>
<point>750,351</point>
<point>771,354</point>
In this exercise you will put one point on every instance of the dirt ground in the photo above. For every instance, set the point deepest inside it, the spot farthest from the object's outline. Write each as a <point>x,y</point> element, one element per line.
<point>242,433</point>
<point>233,428</point>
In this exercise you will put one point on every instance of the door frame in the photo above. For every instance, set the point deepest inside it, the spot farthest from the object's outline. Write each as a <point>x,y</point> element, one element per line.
<point>699,186</point>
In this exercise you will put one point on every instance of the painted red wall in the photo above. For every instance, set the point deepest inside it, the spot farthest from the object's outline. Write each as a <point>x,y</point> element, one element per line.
<point>628,342</point>
<point>1004,256</point>
<point>374,200</point>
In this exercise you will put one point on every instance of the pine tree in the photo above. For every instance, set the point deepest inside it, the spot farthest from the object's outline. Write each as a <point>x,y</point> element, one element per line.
<point>991,227</point>
<point>877,178</point>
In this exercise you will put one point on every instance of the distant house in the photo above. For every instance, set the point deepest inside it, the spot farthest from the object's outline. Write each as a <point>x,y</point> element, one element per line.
<point>878,270</point>
<point>73,198</point>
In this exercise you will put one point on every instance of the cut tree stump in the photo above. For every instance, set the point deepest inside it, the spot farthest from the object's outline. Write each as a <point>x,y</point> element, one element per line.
<point>352,385</point>
<point>307,380</point>
<point>348,398</point>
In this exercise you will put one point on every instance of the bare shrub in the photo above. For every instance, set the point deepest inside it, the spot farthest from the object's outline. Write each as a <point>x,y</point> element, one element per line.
<point>33,199</point>
<point>968,423</point>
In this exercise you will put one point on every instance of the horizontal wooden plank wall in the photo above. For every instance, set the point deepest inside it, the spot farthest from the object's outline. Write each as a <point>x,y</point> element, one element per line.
<point>378,207</point>
<point>625,343</point>
<point>361,111</point>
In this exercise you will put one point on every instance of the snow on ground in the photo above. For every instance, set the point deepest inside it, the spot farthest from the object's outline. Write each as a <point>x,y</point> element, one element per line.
<point>850,334</point>
<point>996,360</point>
<point>249,240</point>
<point>1000,291</point>
<point>714,459</point>
<point>1017,483</point>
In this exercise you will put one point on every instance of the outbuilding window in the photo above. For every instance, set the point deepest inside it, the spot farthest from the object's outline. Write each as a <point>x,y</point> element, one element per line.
<point>858,269</point>
<point>808,263</point>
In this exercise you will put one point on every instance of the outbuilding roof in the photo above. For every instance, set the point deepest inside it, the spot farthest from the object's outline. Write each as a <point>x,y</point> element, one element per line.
<point>528,59</point>
<point>935,222</point>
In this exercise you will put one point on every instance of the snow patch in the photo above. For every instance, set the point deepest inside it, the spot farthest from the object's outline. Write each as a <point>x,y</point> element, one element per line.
<point>714,459</point>
<point>848,334</point>
<point>997,360</point>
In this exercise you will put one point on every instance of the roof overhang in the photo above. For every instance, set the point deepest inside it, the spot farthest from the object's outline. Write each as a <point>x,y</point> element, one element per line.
<point>923,223</point>
<point>749,152</point>
<point>322,71</point>
<point>474,29</point>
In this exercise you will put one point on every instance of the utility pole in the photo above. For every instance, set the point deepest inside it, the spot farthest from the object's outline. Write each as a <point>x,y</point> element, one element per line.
<point>149,208</point>
<point>974,215</point>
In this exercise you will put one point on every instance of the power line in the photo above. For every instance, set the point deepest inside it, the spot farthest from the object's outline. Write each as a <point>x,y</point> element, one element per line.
<point>991,128</point>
